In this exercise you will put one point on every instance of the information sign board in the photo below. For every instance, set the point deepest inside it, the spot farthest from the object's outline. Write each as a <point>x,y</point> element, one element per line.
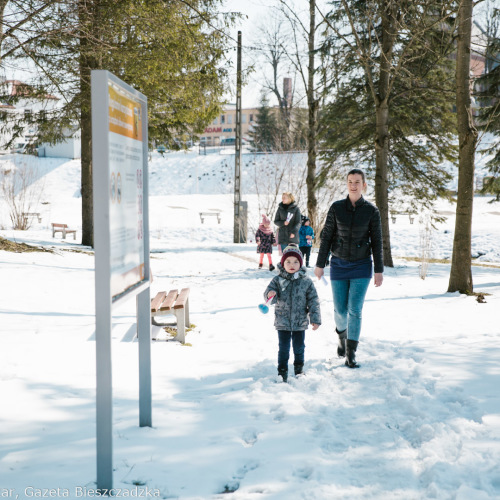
<point>121,244</point>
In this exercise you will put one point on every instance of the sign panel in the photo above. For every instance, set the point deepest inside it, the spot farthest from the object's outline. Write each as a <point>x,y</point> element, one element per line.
<point>126,174</point>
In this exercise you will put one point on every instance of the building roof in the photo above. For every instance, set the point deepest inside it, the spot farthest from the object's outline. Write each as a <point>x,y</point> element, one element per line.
<point>20,89</point>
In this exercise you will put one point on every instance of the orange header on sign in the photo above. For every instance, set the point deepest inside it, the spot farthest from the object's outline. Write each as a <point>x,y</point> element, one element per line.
<point>125,115</point>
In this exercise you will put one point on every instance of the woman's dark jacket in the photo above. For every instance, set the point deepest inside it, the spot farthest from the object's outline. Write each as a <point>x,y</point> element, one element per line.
<point>293,227</point>
<point>352,233</point>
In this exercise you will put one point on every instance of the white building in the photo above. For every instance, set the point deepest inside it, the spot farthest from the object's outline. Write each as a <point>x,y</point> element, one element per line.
<point>20,107</point>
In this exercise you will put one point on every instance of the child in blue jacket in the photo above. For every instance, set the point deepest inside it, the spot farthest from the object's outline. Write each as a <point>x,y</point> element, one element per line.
<point>306,236</point>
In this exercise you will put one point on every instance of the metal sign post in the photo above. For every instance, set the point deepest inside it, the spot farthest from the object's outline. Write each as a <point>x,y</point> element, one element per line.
<point>121,241</point>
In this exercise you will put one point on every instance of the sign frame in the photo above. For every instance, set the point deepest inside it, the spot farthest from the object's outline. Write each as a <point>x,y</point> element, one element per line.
<point>104,83</point>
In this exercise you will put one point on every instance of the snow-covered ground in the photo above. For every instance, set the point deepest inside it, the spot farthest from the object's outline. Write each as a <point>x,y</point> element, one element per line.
<point>419,420</point>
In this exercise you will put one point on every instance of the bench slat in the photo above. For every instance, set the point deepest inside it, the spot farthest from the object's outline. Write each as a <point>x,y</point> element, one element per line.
<point>169,300</point>
<point>156,302</point>
<point>181,300</point>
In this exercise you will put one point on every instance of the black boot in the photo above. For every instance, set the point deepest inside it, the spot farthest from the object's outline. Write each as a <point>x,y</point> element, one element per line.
<point>350,353</point>
<point>283,373</point>
<point>298,368</point>
<point>271,267</point>
<point>341,346</point>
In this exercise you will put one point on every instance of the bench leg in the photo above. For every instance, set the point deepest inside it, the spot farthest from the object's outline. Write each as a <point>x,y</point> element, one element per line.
<point>64,234</point>
<point>181,325</point>
<point>186,316</point>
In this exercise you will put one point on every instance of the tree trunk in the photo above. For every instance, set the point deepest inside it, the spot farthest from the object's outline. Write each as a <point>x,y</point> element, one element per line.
<point>86,64</point>
<point>461,273</point>
<point>3,4</point>
<point>86,174</point>
<point>312,104</point>
<point>382,128</point>
<point>381,184</point>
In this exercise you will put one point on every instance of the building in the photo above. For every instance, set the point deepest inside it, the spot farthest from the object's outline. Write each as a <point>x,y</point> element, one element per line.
<point>71,147</point>
<point>222,131</point>
<point>20,107</point>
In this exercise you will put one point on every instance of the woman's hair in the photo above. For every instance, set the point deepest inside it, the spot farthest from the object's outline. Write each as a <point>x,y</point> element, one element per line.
<point>358,171</point>
<point>290,195</point>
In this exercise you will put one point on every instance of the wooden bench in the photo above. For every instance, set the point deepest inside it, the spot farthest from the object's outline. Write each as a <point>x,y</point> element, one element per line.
<point>32,214</point>
<point>214,213</point>
<point>62,228</point>
<point>174,303</point>
<point>411,215</point>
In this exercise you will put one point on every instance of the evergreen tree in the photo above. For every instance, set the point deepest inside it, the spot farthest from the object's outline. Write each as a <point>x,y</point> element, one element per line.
<point>489,97</point>
<point>392,109</point>
<point>171,51</point>
<point>266,135</point>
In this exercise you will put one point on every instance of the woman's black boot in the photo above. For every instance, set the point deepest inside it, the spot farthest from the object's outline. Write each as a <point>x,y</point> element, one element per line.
<point>283,373</point>
<point>350,353</point>
<point>342,339</point>
<point>299,368</point>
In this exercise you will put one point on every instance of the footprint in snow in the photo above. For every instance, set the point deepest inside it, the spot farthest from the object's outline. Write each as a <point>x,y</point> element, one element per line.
<point>234,484</point>
<point>249,437</point>
<point>278,413</point>
<point>304,472</point>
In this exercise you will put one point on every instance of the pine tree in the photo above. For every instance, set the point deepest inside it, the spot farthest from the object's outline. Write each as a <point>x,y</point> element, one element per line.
<point>171,51</point>
<point>392,109</point>
<point>266,135</point>
<point>489,97</point>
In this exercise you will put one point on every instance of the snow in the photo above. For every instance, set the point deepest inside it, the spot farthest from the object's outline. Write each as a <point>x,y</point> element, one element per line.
<point>419,420</point>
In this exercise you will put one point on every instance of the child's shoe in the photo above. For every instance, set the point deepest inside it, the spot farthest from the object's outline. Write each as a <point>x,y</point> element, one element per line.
<point>260,266</point>
<point>271,267</point>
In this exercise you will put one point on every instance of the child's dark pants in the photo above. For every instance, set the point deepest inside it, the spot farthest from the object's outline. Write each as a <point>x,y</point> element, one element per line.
<point>306,252</point>
<point>298,344</point>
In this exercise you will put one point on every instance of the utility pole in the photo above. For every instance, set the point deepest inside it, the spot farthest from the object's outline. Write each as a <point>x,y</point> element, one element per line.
<point>237,157</point>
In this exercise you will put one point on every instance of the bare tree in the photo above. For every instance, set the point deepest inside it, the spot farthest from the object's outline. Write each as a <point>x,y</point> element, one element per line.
<point>283,171</point>
<point>19,190</point>
<point>272,48</point>
<point>303,58</point>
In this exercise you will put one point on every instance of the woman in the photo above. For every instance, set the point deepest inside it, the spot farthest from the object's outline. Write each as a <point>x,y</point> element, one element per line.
<point>352,233</point>
<point>288,220</point>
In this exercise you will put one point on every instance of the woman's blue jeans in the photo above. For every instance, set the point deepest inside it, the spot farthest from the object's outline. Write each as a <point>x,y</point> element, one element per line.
<point>298,344</point>
<point>348,299</point>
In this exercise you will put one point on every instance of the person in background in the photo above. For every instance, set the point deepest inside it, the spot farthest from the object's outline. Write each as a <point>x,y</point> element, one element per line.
<point>306,237</point>
<point>353,233</point>
<point>288,220</point>
<point>265,240</point>
<point>296,298</point>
